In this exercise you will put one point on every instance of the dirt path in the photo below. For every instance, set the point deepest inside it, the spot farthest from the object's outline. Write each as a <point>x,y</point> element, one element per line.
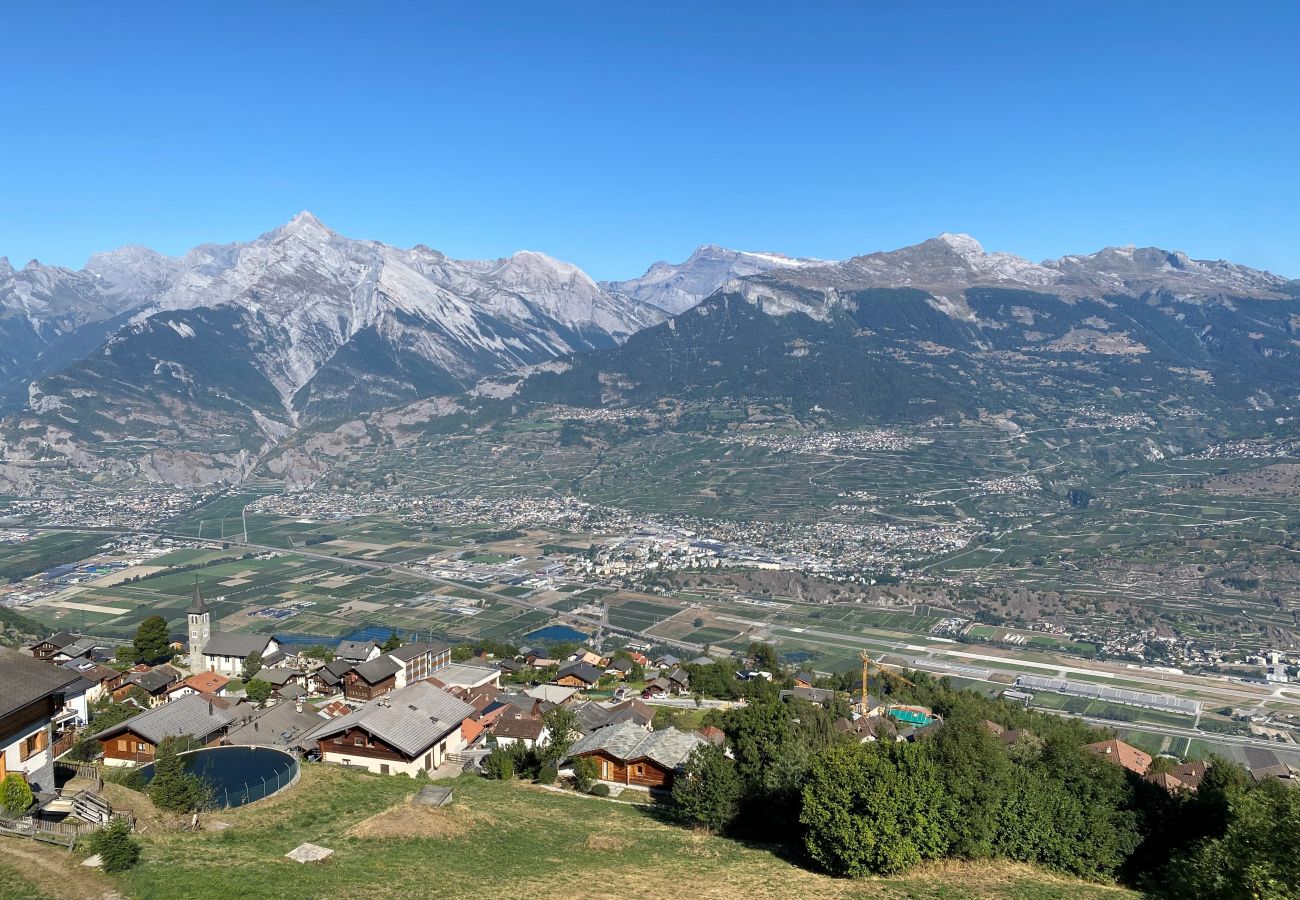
<point>54,872</point>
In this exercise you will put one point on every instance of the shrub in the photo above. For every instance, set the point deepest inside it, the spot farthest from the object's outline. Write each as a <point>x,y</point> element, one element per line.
<point>585,773</point>
<point>599,790</point>
<point>499,764</point>
<point>547,775</point>
<point>115,846</point>
<point>15,794</point>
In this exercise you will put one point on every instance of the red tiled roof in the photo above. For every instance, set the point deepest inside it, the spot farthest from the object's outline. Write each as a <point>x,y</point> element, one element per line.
<point>1122,754</point>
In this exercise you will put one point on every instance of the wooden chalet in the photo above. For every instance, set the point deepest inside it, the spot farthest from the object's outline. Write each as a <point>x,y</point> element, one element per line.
<point>135,741</point>
<point>371,679</point>
<point>411,729</point>
<point>627,754</point>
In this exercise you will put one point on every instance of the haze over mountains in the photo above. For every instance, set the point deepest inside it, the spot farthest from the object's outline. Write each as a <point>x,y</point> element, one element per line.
<point>192,369</point>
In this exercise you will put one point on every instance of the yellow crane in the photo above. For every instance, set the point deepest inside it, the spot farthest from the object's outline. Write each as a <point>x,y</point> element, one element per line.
<point>869,666</point>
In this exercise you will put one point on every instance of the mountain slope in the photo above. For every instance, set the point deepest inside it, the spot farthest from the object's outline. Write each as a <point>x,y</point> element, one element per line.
<point>676,288</point>
<point>943,328</point>
<point>239,344</point>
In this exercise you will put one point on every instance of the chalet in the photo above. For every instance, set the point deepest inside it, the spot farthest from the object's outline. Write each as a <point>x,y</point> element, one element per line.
<point>328,679</point>
<point>404,732</point>
<point>667,661</point>
<point>1182,778</point>
<point>679,679</point>
<point>419,661</point>
<point>578,675</point>
<point>207,683</point>
<point>1121,754</point>
<point>104,678</point>
<point>511,666</point>
<point>136,740</point>
<point>371,679</point>
<point>33,698</point>
<point>527,730</point>
<point>47,648</point>
<point>590,657</point>
<point>225,652</point>
<point>820,696</point>
<point>868,729</point>
<point>279,676</point>
<point>620,668</point>
<point>154,682</point>
<point>592,715</point>
<point>803,679</point>
<point>357,652</point>
<point>627,754</point>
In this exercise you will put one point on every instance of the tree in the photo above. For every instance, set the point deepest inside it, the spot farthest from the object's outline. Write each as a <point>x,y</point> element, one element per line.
<point>258,691</point>
<point>562,730</point>
<point>499,764</point>
<point>392,643</point>
<point>708,790</point>
<point>872,809</point>
<point>16,794</point>
<point>252,665</point>
<point>116,848</point>
<point>173,787</point>
<point>585,773</point>
<point>1256,856</point>
<point>152,642</point>
<point>316,651</point>
<point>764,656</point>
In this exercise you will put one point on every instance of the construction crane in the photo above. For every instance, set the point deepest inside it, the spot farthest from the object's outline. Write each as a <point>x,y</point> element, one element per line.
<point>867,667</point>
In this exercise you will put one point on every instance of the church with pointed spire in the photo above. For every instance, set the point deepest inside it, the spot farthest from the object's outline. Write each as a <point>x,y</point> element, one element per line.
<point>200,619</point>
<point>224,652</point>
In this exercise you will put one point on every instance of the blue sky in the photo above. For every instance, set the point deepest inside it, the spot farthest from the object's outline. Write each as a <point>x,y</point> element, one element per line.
<point>614,134</point>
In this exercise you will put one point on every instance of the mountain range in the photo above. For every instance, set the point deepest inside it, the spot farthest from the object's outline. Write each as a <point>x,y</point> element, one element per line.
<point>192,369</point>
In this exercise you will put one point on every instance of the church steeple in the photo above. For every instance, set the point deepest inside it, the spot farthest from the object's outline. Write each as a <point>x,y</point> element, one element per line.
<point>200,622</point>
<point>198,606</point>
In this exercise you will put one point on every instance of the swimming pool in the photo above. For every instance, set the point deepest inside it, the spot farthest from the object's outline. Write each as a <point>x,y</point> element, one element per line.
<point>239,775</point>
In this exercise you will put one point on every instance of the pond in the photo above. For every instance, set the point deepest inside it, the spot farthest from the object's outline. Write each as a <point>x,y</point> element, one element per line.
<point>555,634</point>
<point>239,775</point>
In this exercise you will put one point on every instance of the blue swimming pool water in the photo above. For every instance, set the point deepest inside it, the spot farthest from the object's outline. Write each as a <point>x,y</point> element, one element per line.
<point>555,634</point>
<point>239,775</point>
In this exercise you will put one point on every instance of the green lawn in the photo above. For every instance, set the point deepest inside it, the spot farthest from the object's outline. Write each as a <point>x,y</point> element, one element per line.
<point>508,839</point>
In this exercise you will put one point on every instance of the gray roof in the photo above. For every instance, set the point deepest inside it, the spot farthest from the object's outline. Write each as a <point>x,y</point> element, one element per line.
<point>24,680</point>
<point>277,676</point>
<point>59,639</point>
<point>412,719</point>
<point>240,646</point>
<point>628,741</point>
<point>192,715</point>
<point>152,681</point>
<point>811,694</point>
<point>279,726</point>
<point>198,606</point>
<point>408,652</point>
<point>581,670</point>
<point>378,669</point>
<point>81,647</point>
<point>354,650</point>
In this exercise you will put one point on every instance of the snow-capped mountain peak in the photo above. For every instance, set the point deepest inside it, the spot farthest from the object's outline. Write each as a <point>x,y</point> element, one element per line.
<point>675,288</point>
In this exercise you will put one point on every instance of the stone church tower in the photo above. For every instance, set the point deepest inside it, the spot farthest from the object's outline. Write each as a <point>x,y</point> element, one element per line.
<point>200,618</point>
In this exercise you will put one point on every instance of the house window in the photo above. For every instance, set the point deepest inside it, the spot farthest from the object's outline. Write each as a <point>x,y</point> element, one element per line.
<point>359,741</point>
<point>141,746</point>
<point>638,771</point>
<point>34,744</point>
